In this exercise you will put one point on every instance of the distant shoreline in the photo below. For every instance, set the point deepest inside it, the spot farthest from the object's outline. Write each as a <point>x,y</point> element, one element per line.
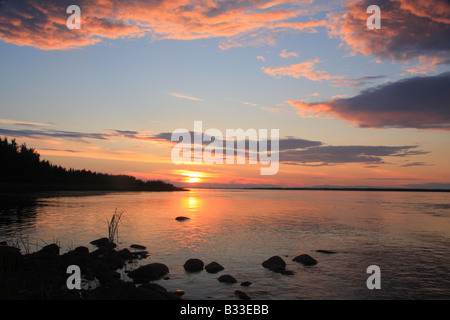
<point>31,187</point>
<point>329,189</point>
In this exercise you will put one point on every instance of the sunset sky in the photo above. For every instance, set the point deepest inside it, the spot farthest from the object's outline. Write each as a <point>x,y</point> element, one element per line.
<point>354,106</point>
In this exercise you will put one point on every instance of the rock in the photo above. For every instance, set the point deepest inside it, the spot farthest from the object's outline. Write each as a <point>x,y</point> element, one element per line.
<point>214,267</point>
<point>242,295</point>
<point>10,258</point>
<point>287,272</point>
<point>81,250</point>
<point>327,251</point>
<point>193,265</point>
<point>125,254</point>
<point>139,254</point>
<point>181,218</point>
<point>100,242</point>
<point>227,279</point>
<point>246,283</point>
<point>138,246</point>
<point>274,263</point>
<point>51,249</point>
<point>149,272</point>
<point>307,260</point>
<point>166,295</point>
<point>179,292</point>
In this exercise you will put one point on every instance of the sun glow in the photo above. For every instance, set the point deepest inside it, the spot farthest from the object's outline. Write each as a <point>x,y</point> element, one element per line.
<point>192,176</point>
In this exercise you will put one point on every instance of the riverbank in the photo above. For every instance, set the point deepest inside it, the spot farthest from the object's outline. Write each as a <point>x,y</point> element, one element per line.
<point>43,275</point>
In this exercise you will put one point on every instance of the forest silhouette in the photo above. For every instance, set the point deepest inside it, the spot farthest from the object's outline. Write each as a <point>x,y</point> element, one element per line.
<point>21,169</point>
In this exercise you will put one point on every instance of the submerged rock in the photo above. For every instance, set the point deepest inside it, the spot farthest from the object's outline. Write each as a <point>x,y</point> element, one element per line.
<point>327,251</point>
<point>306,259</point>
<point>242,295</point>
<point>149,272</point>
<point>181,218</point>
<point>227,279</point>
<point>246,283</point>
<point>138,246</point>
<point>274,263</point>
<point>193,265</point>
<point>214,267</point>
<point>100,242</point>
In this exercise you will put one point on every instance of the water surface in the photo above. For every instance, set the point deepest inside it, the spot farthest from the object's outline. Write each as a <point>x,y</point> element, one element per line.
<point>406,234</point>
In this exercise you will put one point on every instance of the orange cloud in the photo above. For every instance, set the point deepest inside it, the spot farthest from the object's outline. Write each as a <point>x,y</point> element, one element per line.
<point>241,22</point>
<point>301,70</point>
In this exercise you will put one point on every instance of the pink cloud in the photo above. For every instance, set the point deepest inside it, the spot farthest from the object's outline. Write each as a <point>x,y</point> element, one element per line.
<point>42,24</point>
<point>304,69</point>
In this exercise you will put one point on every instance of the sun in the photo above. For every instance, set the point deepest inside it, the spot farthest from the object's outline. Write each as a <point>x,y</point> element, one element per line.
<point>192,176</point>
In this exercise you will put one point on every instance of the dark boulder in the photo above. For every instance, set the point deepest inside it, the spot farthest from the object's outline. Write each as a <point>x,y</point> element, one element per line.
<point>193,265</point>
<point>10,258</point>
<point>181,218</point>
<point>100,242</point>
<point>274,263</point>
<point>81,250</point>
<point>137,246</point>
<point>307,260</point>
<point>125,254</point>
<point>226,278</point>
<point>149,272</point>
<point>214,267</point>
<point>327,251</point>
<point>241,295</point>
<point>246,283</point>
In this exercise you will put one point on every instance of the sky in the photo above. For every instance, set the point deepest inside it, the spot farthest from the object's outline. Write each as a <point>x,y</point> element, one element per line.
<point>354,105</point>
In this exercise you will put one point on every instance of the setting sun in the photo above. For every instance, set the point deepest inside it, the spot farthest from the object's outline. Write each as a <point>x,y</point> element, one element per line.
<point>192,176</point>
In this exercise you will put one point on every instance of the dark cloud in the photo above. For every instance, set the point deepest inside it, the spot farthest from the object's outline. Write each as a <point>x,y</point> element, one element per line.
<point>358,82</point>
<point>410,29</point>
<point>292,151</point>
<point>415,164</point>
<point>53,134</point>
<point>417,102</point>
<point>331,155</point>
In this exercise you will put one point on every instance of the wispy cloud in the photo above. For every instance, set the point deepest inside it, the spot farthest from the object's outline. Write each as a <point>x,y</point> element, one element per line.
<point>185,96</point>
<point>285,54</point>
<point>304,69</point>
<point>26,123</point>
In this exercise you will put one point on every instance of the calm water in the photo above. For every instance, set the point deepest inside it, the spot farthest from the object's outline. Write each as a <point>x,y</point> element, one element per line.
<point>407,234</point>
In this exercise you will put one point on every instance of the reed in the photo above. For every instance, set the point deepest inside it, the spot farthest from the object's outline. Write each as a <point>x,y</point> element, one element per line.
<point>113,226</point>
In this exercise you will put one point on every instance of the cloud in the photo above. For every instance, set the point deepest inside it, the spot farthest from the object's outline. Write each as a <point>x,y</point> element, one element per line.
<point>53,134</point>
<point>26,123</point>
<point>304,152</point>
<point>415,164</point>
<point>331,155</point>
<point>351,83</point>
<point>261,58</point>
<point>42,24</point>
<point>300,70</point>
<point>285,54</point>
<point>184,96</point>
<point>410,29</point>
<point>418,102</point>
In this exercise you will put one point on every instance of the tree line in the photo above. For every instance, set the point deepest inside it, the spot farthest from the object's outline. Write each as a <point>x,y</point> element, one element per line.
<point>22,166</point>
